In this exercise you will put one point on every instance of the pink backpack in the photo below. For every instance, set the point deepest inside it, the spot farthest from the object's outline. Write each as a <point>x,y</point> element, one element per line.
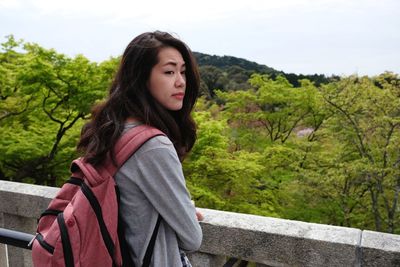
<point>80,226</point>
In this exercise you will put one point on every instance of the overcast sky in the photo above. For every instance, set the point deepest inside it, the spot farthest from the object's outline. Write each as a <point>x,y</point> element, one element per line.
<point>340,37</point>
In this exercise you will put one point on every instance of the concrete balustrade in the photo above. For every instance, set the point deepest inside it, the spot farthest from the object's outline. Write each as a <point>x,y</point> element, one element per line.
<point>263,240</point>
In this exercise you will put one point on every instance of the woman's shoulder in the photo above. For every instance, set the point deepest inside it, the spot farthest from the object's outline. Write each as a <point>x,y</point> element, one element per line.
<point>159,143</point>
<point>158,140</point>
<point>157,151</point>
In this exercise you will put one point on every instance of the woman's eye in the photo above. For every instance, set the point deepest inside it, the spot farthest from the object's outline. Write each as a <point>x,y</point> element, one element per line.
<point>169,72</point>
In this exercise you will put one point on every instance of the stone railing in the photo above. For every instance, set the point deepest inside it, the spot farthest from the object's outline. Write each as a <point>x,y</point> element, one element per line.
<point>261,240</point>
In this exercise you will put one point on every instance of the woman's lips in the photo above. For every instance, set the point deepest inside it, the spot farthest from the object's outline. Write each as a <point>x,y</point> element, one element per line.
<point>179,96</point>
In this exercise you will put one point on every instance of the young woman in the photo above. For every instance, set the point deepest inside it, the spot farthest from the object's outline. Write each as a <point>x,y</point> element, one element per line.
<point>157,84</point>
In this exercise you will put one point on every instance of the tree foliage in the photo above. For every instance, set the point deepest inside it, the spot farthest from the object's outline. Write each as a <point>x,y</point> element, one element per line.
<point>345,169</point>
<point>44,97</point>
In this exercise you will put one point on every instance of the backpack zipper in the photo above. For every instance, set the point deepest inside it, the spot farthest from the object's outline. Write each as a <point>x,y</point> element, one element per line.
<point>33,239</point>
<point>42,243</point>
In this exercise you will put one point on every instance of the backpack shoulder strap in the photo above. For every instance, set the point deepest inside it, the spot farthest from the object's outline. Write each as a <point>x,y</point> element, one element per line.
<point>129,142</point>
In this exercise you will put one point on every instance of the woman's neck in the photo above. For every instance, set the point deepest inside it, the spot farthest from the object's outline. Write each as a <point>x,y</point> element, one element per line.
<point>132,120</point>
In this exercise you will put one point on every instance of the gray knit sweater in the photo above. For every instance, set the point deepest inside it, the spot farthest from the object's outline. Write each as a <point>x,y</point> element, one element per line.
<point>151,182</point>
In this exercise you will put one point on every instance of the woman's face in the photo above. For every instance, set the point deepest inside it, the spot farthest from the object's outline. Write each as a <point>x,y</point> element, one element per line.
<point>167,82</point>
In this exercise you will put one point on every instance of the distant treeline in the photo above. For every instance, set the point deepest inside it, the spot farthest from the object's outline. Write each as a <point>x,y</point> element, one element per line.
<point>231,73</point>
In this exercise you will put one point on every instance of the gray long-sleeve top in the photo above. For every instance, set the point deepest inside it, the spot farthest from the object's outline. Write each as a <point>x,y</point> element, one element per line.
<point>151,182</point>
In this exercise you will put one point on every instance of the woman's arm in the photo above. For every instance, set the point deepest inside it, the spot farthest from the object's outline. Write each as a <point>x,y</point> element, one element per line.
<point>162,181</point>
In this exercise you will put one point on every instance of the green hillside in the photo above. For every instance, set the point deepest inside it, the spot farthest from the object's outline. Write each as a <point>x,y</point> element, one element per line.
<point>232,73</point>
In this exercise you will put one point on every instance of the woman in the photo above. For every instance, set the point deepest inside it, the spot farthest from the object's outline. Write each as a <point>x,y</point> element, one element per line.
<point>157,84</point>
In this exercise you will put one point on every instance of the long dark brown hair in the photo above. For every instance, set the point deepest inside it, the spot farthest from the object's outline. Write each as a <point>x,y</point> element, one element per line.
<point>130,97</point>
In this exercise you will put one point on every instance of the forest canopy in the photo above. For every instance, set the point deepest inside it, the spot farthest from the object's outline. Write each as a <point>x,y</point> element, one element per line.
<point>310,148</point>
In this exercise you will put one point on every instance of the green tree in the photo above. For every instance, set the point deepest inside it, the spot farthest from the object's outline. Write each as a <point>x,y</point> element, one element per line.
<point>213,79</point>
<point>273,109</point>
<point>62,90</point>
<point>13,98</point>
<point>366,118</point>
<point>222,178</point>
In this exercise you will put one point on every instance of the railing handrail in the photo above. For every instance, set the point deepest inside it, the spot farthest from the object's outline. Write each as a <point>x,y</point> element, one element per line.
<point>15,238</point>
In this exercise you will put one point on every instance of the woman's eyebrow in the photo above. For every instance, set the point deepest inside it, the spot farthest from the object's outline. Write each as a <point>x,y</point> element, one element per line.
<point>173,63</point>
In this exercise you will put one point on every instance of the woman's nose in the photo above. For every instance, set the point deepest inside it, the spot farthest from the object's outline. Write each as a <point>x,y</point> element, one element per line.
<point>180,80</point>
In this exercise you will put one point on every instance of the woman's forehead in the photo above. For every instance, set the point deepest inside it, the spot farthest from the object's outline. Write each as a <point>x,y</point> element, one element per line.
<point>170,56</point>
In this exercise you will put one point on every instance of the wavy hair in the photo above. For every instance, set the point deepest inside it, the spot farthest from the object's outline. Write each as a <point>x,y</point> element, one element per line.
<point>129,97</point>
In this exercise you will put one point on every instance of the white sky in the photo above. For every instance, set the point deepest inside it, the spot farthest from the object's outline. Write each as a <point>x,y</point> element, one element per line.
<point>341,37</point>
